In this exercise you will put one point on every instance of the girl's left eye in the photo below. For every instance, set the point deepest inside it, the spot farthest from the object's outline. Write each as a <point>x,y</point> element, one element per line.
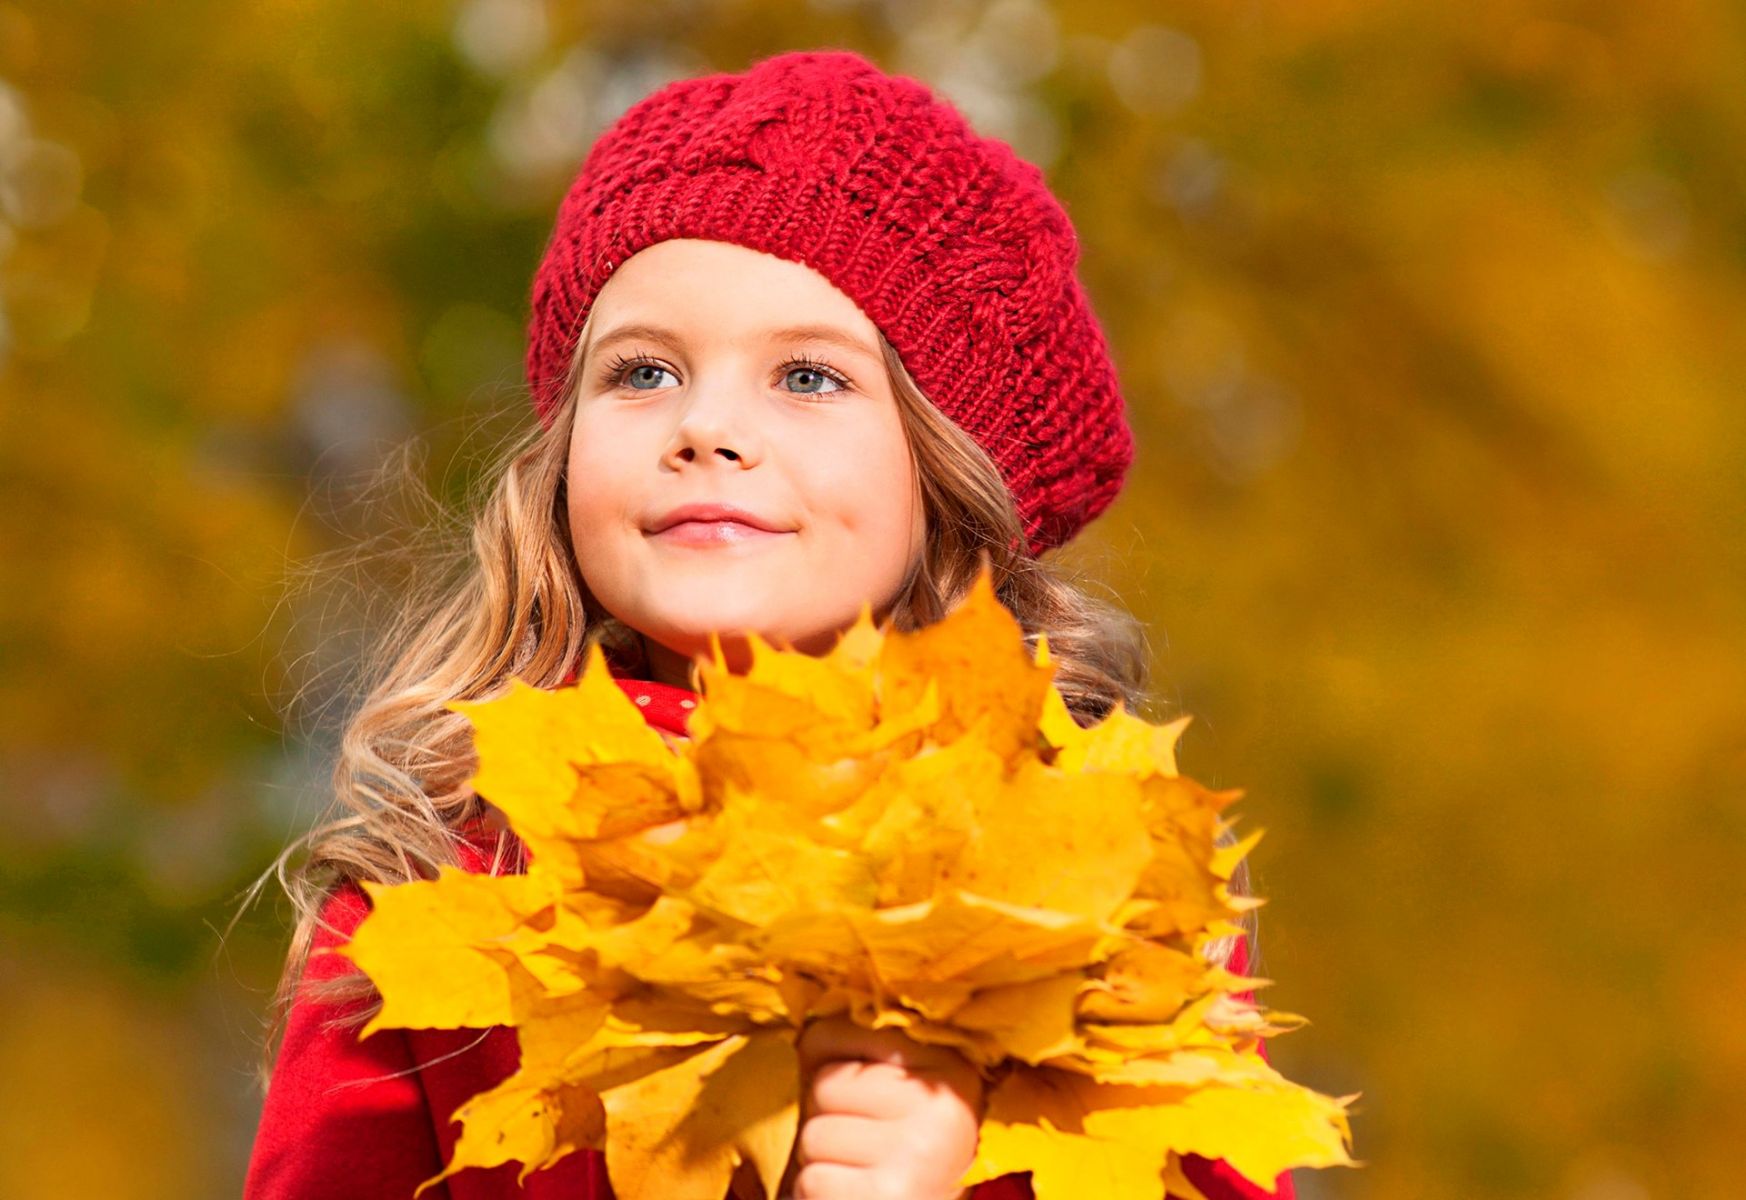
<point>805,366</point>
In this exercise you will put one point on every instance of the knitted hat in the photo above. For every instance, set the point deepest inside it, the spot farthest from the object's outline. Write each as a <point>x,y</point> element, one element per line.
<point>950,243</point>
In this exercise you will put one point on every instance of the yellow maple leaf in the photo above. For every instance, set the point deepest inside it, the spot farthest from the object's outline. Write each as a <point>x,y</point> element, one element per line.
<point>537,1114</point>
<point>1093,865</point>
<point>976,658</point>
<point>764,871</point>
<point>432,948</point>
<point>1078,1136</point>
<point>911,830</point>
<point>682,1129</point>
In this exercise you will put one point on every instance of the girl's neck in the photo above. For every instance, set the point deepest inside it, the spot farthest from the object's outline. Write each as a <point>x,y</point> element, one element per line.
<point>666,666</point>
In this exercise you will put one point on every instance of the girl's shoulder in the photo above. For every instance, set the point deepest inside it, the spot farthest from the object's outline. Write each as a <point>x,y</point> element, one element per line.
<point>345,906</point>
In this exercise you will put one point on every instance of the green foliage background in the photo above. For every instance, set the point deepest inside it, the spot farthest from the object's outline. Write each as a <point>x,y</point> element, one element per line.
<point>1430,318</point>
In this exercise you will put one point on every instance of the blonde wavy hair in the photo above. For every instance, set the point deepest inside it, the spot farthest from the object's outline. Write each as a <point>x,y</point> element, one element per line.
<point>517,607</point>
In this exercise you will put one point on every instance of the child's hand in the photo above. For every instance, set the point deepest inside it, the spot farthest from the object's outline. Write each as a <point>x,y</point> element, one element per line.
<point>883,1117</point>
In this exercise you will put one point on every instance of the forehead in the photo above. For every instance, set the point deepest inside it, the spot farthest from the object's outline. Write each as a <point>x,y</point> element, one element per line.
<point>708,293</point>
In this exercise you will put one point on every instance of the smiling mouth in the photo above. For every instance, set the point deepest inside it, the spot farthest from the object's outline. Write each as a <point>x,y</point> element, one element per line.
<point>715,533</point>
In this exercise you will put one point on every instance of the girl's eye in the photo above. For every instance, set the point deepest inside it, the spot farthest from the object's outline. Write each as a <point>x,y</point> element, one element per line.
<point>814,374</point>
<point>635,373</point>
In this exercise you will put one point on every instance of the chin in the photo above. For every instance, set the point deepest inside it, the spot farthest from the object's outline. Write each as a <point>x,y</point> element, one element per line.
<point>690,626</point>
<point>688,607</point>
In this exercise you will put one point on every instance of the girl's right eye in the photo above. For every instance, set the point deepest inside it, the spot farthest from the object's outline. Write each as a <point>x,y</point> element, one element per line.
<point>634,372</point>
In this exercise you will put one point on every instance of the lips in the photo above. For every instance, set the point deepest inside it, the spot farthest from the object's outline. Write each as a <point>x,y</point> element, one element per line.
<point>715,533</point>
<point>726,514</point>
<point>715,525</point>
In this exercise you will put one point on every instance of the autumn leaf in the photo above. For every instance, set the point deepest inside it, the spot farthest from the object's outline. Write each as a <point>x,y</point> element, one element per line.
<point>1078,1136</point>
<point>433,949</point>
<point>683,1128</point>
<point>911,830</point>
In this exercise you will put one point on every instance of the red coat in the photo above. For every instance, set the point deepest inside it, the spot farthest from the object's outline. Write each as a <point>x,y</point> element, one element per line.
<point>351,1120</point>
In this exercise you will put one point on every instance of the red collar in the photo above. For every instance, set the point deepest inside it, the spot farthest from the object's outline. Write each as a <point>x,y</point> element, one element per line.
<point>664,706</point>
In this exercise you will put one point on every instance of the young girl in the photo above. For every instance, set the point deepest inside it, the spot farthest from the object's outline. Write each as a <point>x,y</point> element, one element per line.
<point>800,339</point>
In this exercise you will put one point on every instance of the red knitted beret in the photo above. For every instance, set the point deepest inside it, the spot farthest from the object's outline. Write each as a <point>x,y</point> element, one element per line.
<point>949,242</point>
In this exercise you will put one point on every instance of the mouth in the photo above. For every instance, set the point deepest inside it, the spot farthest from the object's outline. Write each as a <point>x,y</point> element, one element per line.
<point>715,533</point>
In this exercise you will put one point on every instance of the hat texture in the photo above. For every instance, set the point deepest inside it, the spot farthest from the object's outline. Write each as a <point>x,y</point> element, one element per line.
<point>949,242</point>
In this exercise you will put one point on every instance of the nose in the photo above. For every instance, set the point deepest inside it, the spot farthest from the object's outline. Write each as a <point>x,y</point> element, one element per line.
<point>716,421</point>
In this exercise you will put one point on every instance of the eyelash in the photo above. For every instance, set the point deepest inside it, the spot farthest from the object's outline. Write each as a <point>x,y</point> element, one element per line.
<point>614,375</point>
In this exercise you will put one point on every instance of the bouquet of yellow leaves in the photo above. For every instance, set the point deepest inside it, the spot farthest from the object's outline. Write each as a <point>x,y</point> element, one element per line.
<point>912,831</point>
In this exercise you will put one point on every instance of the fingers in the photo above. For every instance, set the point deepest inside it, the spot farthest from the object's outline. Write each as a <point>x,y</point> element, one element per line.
<point>834,1181</point>
<point>883,1118</point>
<point>848,1141</point>
<point>881,1072</point>
<point>865,1089</point>
<point>844,1157</point>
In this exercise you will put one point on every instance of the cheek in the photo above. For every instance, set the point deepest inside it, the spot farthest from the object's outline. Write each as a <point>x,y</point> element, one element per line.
<point>584,518</point>
<point>890,487</point>
<point>865,481</point>
<point>596,491</point>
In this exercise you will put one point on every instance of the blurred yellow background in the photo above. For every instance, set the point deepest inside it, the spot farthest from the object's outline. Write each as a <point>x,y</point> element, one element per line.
<point>1430,319</point>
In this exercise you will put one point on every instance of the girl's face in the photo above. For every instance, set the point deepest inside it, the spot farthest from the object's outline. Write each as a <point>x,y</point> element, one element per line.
<point>715,374</point>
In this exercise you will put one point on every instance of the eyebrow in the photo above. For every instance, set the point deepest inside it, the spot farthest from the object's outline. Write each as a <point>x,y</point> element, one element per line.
<point>829,334</point>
